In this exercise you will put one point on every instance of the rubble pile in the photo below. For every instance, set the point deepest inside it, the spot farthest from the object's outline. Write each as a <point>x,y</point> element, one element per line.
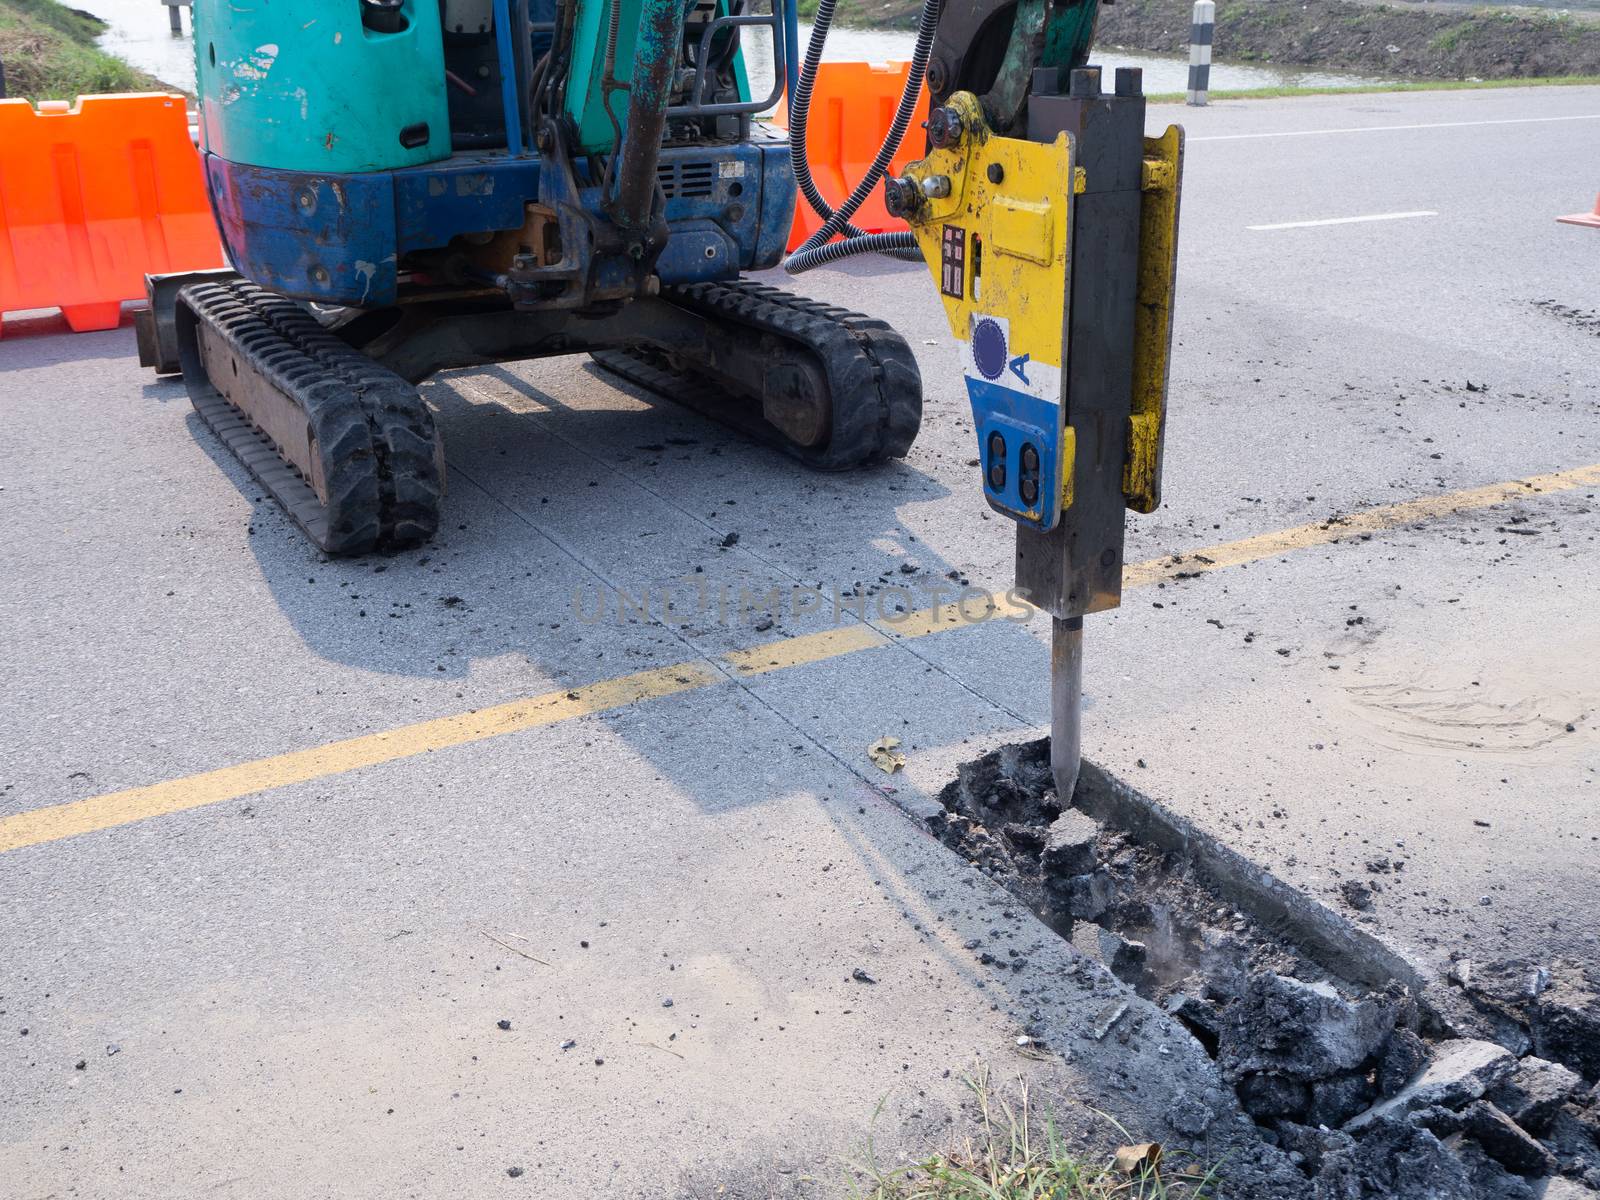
<point>1482,1087</point>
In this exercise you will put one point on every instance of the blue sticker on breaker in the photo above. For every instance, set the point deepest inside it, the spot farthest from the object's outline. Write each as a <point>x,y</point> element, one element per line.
<point>1016,411</point>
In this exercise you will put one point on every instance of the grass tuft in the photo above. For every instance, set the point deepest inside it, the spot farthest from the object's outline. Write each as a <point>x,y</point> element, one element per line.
<point>49,53</point>
<point>1017,1154</point>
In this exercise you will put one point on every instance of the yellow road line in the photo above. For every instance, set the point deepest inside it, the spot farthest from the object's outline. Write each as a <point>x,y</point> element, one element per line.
<point>193,791</point>
<point>807,648</point>
<point>59,821</point>
<point>1368,520</point>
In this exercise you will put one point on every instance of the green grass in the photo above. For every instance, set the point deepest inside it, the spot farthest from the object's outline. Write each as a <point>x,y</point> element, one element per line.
<point>49,53</point>
<point>1017,1154</point>
<point>1424,85</point>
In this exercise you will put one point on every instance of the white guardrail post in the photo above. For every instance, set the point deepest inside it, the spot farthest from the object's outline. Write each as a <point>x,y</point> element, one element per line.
<point>1205,23</point>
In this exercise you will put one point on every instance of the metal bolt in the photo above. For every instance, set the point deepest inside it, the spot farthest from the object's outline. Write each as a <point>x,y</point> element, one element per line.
<point>1028,484</point>
<point>997,463</point>
<point>936,187</point>
<point>944,128</point>
<point>995,172</point>
<point>938,75</point>
<point>319,275</point>
<point>901,197</point>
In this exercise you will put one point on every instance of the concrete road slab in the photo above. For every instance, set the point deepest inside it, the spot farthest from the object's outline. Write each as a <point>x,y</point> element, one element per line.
<point>306,958</point>
<point>300,994</point>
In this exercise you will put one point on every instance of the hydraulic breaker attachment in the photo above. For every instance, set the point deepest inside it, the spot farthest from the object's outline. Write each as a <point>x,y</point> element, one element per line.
<point>1054,256</point>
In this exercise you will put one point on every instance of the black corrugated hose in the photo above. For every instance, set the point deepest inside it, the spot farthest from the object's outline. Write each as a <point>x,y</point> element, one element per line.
<point>819,249</point>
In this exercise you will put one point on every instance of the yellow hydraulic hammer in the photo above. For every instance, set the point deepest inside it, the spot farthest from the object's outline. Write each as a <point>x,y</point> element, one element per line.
<point>1055,258</point>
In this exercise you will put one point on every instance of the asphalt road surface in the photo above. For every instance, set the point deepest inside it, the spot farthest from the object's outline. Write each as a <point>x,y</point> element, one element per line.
<point>281,840</point>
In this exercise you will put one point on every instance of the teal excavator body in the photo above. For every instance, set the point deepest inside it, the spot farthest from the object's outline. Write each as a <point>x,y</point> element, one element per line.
<point>344,138</point>
<point>323,93</point>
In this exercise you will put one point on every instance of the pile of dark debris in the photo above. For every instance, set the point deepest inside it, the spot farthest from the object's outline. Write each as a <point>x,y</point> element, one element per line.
<point>1481,1086</point>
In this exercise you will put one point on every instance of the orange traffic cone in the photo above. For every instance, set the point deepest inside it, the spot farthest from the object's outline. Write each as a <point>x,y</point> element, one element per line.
<point>1592,220</point>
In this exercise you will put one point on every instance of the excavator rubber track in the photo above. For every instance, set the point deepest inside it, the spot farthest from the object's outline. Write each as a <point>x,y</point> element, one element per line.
<point>345,445</point>
<point>874,386</point>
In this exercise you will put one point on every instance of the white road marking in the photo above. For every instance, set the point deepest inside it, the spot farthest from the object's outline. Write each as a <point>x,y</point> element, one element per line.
<point>1345,220</point>
<point>1240,137</point>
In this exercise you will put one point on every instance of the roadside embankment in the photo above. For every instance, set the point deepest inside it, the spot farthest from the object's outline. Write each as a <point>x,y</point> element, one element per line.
<point>1396,41</point>
<point>49,53</point>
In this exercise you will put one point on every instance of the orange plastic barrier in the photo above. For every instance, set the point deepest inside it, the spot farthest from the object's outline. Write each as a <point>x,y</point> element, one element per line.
<point>92,197</point>
<point>1590,219</point>
<point>852,106</point>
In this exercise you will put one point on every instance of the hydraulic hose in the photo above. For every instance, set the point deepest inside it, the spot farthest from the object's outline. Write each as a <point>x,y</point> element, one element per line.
<point>808,257</point>
<point>819,248</point>
<point>800,114</point>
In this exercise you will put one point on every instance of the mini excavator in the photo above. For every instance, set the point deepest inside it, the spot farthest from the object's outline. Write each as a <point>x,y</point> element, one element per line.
<point>409,186</point>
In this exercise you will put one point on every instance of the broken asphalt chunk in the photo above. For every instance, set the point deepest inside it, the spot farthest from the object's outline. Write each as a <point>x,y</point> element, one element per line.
<point>1190,1115</point>
<point>1265,1094</point>
<point>1300,1030</point>
<point>1403,1056</point>
<point>1200,1016</point>
<point>1394,1159</point>
<point>1461,1071</point>
<point>1507,986</point>
<point>1535,1092</point>
<point>1069,845</point>
<point>1357,894</point>
<point>1504,1140</point>
<point>1334,1101</point>
<point>1125,958</point>
<point>1566,1019</point>
<point>1568,1189</point>
<point>1490,1180</point>
<point>1310,1144</point>
<point>1106,1018</point>
<point>1087,897</point>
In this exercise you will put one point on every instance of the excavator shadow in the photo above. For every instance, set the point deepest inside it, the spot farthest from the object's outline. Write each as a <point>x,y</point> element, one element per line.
<point>591,530</point>
<point>590,535</point>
